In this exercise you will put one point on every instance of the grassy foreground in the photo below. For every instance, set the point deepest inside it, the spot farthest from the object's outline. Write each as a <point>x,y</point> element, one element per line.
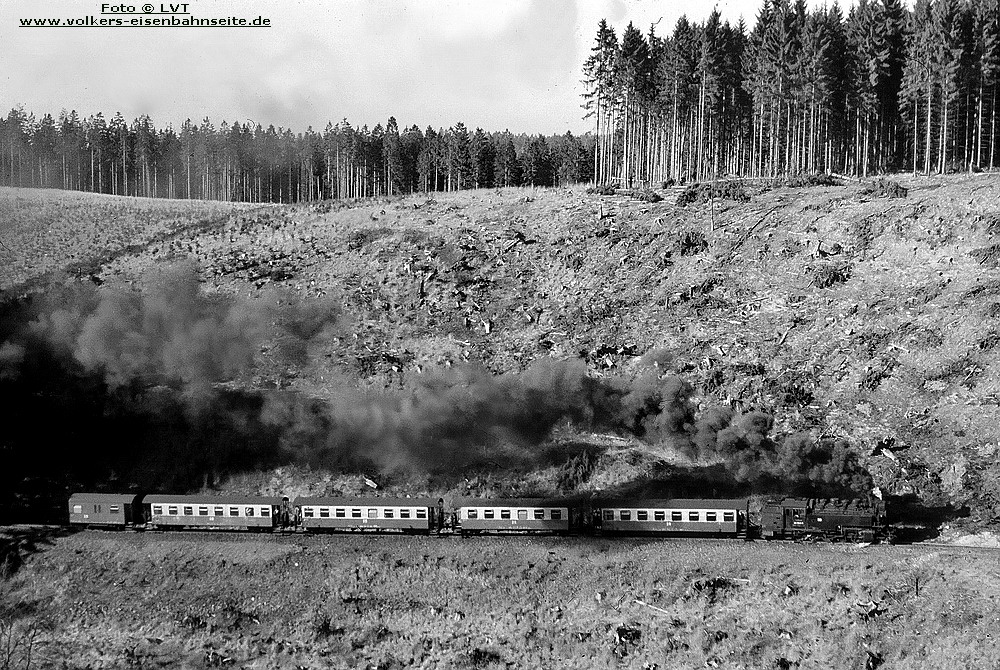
<point>102,600</point>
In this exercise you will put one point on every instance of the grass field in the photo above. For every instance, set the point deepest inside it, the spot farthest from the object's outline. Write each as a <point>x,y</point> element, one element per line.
<point>110,600</point>
<point>45,233</point>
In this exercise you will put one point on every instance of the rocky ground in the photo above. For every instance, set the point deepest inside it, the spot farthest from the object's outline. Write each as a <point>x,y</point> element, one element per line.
<point>844,311</point>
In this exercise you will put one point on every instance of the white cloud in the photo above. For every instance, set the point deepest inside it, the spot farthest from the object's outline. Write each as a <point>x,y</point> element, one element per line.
<point>498,64</point>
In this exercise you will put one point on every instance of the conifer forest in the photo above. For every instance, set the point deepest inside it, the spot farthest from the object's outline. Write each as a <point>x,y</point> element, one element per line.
<point>809,89</point>
<point>248,163</point>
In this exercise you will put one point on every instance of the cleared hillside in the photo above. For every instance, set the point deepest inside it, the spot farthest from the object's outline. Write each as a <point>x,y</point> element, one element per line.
<point>843,315</point>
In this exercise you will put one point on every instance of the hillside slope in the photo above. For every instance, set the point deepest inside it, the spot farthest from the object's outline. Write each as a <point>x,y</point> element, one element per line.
<point>842,315</point>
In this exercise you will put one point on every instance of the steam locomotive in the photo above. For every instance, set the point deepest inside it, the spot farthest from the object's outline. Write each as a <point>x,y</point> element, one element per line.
<point>854,520</point>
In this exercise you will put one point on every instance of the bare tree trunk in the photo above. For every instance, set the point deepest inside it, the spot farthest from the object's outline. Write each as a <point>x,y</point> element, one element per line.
<point>993,125</point>
<point>930,110</point>
<point>979,126</point>
<point>943,146</point>
<point>597,146</point>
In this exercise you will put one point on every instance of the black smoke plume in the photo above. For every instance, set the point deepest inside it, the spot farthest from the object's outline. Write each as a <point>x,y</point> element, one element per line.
<point>798,461</point>
<point>175,333</point>
<point>446,421</point>
<point>156,388</point>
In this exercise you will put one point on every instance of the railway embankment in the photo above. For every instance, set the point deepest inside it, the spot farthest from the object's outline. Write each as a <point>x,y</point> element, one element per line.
<point>107,600</point>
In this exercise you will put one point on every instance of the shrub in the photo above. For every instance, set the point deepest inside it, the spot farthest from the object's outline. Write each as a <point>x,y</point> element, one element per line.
<point>646,195</point>
<point>691,243</point>
<point>576,471</point>
<point>601,189</point>
<point>825,275</point>
<point>806,180</point>
<point>703,192</point>
<point>884,188</point>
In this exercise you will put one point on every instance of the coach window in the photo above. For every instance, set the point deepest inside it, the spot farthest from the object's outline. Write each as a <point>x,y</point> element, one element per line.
<point>642,515</point>
<point>340,512</point>
<point>234,511</point>
<point>522,514</point>
<point>203,511</point>
<point>659,516</point>
<point>709,516</point>
<point>488,514</point>
<point>729,516</point>
<point>308,513</point>
<point>172,511</point>
<point>626,515</point>
<point>421,513</point>
<point>77,509</point>
<point>265,511</point>
<point>555,514</point>
<point>248,511</point>
<point>114,509</point>
<point>404,514</point>
<point>693,516</point>
<point>539,514</point>
<point>219,511</point>
<point>676,516</point>
<point>324,512</point>
<point>372,513</point>
<point>505,514</point>
<point>472,514</point>
<point>388,513</point>
<point>157,509</point>
<point>609,515</point>
<point>188,511</point>
<point>355,513</point>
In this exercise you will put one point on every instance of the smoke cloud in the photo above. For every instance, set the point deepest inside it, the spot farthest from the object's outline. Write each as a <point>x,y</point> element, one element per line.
<point>745,445</point>
<point>176,333</point>
<point>448,420</point>
<point>132,386</point>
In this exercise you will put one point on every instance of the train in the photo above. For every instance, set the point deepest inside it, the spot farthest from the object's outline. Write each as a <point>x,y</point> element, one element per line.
<point>849,520</point>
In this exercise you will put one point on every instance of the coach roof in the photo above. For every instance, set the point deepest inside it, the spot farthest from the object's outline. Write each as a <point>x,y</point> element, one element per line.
<point>670,503</point>
<point>512,502</point>
<point>105,498</point>
<point>155,499</point>
<point>371,501</point>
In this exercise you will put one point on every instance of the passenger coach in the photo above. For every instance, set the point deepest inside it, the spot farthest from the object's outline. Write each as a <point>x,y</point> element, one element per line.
<point>250,512</point>
<point>673,517</point>
<point>511,515</point>
<point>405,515</point>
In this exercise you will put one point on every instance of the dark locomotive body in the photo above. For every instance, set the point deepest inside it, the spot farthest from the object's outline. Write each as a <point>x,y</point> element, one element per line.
<point>852,520</point>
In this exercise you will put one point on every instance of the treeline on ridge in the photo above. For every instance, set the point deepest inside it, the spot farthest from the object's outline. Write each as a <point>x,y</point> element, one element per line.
<point>883,88</point>
<point>250,163</point>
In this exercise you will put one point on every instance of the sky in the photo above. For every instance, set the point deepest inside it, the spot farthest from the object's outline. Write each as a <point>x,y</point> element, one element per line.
<point>495,64</point>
